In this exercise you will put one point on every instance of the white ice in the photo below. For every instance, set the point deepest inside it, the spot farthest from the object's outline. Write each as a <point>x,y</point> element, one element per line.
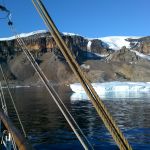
<point>119,89</point>
<point>70,34</point>
<point>141,55</point>
<point>117,42</point>
<point>17,86</point>
<point>89,46</point>
<point>23,35</point>
<point>113,86</point>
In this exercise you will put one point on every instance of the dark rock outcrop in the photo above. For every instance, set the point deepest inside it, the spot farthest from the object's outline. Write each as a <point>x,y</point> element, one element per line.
<point>46,53</point>
<point>124,55</point>
<point>97,46</point>
<point>142,44</point>
<point>122,65</point>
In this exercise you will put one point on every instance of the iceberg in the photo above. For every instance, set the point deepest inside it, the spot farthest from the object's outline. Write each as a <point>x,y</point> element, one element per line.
<point>113,86</point>
<point>113,90</point>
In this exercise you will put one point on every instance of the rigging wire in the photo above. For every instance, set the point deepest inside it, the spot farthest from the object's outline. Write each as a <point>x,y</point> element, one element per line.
<point>5,10</point>
<point>13,102</point>
<point>3,101</point>
<point>2,97</point>
<point>8,14</point>
<point>100,107</point>
<point>97,102</point>
<point>5,110</point>
<point>69,118</point>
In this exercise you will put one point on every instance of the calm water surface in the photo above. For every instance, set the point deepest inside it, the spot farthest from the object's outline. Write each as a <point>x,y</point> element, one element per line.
<point>47,129</point>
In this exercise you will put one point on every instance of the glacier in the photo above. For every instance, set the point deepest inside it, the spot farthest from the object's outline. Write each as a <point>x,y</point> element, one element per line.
<point>113,89</point>
<point>117,42</point>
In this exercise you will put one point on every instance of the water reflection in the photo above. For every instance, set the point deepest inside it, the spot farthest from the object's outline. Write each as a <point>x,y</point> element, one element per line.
<point>116,95</point>
<point>47,129</point>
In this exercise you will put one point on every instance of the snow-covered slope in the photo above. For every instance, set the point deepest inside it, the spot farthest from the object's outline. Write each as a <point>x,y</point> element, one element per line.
<point>114,42</point>
<point>23,35</point>
<point>147,57</point>
<point>33,33</point>
<point>70,34</point>
<point>117,42</point>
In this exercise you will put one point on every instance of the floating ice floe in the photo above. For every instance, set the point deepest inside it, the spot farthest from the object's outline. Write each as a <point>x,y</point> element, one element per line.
<point>17,86</point>
<point>113,90</point>
<point>113,86</point>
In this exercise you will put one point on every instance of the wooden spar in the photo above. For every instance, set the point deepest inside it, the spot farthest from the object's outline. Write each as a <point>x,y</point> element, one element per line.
<point>18,138</point>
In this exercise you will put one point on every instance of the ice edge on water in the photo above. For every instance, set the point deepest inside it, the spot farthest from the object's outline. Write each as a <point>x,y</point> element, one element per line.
<point>17,86</point>
<point>117,89</point>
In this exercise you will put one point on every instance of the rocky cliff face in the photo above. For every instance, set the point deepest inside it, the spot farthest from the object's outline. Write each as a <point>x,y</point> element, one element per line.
<point>142,45</point>
<point>99,61</point>
<point>43,42</point>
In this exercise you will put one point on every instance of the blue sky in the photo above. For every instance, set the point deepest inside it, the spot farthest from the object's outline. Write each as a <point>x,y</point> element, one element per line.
<point>90,18</point>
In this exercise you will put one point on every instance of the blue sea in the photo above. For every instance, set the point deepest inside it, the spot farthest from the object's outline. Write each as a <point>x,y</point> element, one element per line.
<point>47,129</point>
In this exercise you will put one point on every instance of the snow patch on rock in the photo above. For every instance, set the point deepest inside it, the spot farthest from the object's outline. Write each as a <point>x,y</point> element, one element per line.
<point>23,35</point>
<point>147,57</point>
<point>89,46</point>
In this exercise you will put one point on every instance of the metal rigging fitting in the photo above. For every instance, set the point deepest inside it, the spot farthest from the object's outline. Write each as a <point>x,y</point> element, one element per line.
<point>8,15</point>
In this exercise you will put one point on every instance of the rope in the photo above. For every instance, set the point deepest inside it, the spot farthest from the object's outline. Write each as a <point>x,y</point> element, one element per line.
<point>3,102</point>
<point>13,143</point>
<point>6,133</point>
<point>69,118</point>
<point>12,100</point>
<point>97,102</point>
<point>4,107</point>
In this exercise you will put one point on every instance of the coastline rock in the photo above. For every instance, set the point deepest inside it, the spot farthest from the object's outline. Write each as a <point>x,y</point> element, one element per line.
<point>98,62</point>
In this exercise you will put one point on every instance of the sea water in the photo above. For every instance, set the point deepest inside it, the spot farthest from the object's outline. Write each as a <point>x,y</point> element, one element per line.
<point>47,129</point>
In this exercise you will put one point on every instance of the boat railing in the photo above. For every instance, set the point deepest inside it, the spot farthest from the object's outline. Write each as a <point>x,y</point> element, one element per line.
<point>9,133</point>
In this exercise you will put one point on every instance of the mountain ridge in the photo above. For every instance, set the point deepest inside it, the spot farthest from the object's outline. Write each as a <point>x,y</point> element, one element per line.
<point>112,42</point>
<point>100,61</point>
